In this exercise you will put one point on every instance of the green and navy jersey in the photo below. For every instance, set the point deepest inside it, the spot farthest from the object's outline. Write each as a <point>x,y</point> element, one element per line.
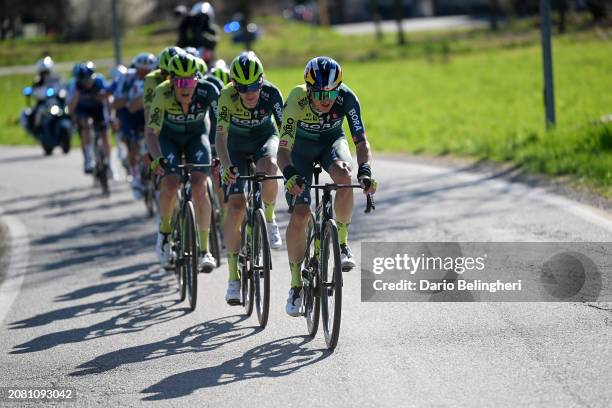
<point>236,119</point>
<point>300,120</point>
<point>166,115</point>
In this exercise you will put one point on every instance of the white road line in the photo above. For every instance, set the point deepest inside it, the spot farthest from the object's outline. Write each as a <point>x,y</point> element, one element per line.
<point>17,264</point>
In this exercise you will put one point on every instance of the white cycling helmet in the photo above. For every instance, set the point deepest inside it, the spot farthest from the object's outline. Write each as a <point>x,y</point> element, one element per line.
<point>145,60</point>
<point>44,64</point>
<point>118,72</point>
<point>203,8</point>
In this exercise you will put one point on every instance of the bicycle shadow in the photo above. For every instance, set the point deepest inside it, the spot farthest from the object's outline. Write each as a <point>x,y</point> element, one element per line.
<point>277,358</point>
<point>200,338</point>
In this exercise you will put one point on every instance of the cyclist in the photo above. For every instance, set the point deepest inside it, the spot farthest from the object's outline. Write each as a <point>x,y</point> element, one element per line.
<point>175,126</point>
<point>312,131</point>
<point>89,103</point>
<point>143,64</point>
<point>245,128</point>
<point>117,76</point>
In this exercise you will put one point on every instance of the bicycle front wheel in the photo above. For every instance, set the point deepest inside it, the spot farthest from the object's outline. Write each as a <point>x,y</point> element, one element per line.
<point>261,267</point>
<point>310,282</point>
<point>190,254</point>
<point>245,269</point>
<point>214,238</point>
<point>331,284</point>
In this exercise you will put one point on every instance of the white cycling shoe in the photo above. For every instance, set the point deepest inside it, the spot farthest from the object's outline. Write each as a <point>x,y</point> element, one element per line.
<point>232,296</point>
<point>274,235</point>
<point>206,262</point>
<point>162,250</point>
<point>294,302</point>
<point>346,258</point>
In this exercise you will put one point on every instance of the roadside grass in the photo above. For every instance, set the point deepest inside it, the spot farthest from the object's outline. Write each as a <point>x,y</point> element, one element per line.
<point>469,94</point>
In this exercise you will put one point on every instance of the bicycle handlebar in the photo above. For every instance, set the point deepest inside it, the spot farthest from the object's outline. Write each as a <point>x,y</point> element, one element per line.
<point>370,204</point>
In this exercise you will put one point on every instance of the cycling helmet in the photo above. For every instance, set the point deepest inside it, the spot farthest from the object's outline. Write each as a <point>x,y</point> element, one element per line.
<point>221,73</point>
<point>246,68</point>
<point>183,65</point>
<point>202,68</point>
<point>86,70</point>
<point>203,8</point>
<point>192,51</point>
<point>145,60</point>
<point>44,65</point>
<point>117,72</point>
<point>323,74</point>
<point>166,55</point>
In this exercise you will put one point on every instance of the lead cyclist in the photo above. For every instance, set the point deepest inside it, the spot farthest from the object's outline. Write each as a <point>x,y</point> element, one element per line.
<point>312,131</point>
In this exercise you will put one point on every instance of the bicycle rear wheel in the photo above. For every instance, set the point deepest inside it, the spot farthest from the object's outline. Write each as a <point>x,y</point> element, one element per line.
<point>312,299</point>
<point>331,284</point>
<point>190,254</point>
<point>261,267</point>
<point>214,238</point>
<point>244,268</point>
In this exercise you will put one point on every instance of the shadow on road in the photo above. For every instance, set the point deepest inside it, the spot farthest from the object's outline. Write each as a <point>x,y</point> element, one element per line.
<point>203,337</point>
<point>277,358</point>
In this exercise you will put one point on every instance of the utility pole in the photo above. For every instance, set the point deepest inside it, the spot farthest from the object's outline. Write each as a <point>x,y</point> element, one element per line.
<point>116,32</point>
<point>549,87</point>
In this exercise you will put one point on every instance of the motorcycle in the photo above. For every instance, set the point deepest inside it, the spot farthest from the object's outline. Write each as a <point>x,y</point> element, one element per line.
<point>54,124</point>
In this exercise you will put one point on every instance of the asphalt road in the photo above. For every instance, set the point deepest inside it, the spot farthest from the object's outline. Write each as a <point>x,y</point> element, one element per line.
<point>91,310</point>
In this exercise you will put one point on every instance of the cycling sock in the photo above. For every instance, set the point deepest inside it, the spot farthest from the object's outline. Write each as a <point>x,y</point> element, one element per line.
<point>165,226</point>
<point>204,234</point>
<point>296,274</point>
<point>342,232</point>
<point>269,210</point>
<point>232,264</point>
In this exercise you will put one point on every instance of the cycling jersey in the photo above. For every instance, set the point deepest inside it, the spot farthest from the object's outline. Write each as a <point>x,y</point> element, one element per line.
<point>167,117</point>
<point>301,121</point>
<point>235,119</point>
<point>88,105</point>
<point>215,81</point>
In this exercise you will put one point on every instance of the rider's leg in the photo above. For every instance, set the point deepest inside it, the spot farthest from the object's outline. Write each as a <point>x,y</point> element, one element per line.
<point>266,162</point>
<point>202,207</point>
<point>296,241</point>
<point>169,185</point>
<point>338,162</point>
<point>236,206</point>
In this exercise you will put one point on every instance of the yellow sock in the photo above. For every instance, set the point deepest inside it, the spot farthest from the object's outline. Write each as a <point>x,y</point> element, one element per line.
<point>232,264</point>
<point>296,274</point>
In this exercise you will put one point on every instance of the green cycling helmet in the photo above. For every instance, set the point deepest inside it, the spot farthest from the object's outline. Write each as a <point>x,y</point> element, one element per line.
<point>201,65</point>
<point>221,73</point>
<point>166,55</point>
<point>246,68</point>
<point>183,65</point>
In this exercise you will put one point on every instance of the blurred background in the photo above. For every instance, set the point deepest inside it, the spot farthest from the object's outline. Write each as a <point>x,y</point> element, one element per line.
<point>435,77</point>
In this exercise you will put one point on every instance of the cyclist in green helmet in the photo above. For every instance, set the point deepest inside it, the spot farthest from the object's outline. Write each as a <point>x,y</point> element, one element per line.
<point>245,128</point>
<point>177,126</point>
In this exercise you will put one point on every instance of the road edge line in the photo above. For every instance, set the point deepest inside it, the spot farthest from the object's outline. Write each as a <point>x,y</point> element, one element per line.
<point>17,265</point>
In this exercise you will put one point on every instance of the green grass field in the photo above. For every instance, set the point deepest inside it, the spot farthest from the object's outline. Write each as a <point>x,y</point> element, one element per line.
<point>483,101</point>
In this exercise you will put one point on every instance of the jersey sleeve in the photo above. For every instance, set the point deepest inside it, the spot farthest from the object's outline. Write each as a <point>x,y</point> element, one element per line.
<point>156,112</point>
<point>353,116</point>
<point>223,112</point>
<point>290,117</point>
<point>214,100</point>
<point>149,91</point>
<point>277,107</point>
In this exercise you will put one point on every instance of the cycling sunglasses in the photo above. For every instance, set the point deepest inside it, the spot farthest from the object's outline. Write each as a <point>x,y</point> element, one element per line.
<point>185,82</point>
<point>249,88</point>
<point>325,95</point>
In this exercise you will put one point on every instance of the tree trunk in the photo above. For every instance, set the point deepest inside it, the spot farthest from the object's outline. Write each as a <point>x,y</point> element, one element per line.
<point>323,13</point>
<point>245,10</point>
<point>562,15</point>
<point>493,14</point>
<point>598,9</point>
<point>399,16</point>
<point>375,10</point>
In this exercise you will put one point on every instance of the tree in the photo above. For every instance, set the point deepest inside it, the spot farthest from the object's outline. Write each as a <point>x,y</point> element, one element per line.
<point>375,10</point>
<point>399,16</point>
<point>493,14</point>
<point>598,8</point>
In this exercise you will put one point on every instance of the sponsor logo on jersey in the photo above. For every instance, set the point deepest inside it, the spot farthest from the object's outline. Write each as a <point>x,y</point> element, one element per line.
<point>279,109</point>
<point>283,143</point>
<point>155,117</point>
<point>289,126</point>
<point>303,102</point>
<point>355,119</point>
<point>190,117</point>
<point>223,114</point>
<point>249,122</point>
<point>199,154</point>
<point>149,96</point>
<point>320,126</point>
